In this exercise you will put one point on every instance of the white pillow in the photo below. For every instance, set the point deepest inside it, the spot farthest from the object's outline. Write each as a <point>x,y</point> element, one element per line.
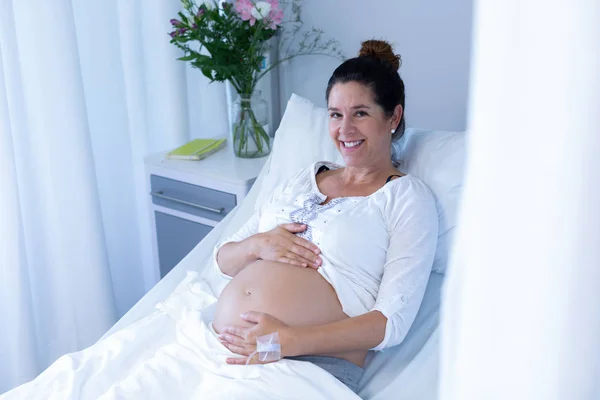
<point>301,139</point>
<point>435,157</point>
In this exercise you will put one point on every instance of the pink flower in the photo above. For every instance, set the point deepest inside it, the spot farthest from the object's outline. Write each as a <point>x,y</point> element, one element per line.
<point>244,9</point>
<point>275,17</point>
<point>251,11</point>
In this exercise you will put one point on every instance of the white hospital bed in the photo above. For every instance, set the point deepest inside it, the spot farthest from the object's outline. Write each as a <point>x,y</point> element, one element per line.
<point>407,371</point>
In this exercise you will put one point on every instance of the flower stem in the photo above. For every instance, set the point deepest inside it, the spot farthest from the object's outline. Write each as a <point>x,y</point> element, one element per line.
<point>246,129</point>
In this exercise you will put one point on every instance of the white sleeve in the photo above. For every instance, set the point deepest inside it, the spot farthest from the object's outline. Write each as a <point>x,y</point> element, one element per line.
<point>251,226</point>
<point>248,229</point>
<point>413,240</point>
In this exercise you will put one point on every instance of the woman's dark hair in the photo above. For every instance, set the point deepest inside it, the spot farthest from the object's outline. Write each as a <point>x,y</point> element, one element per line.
<point>376,67</point>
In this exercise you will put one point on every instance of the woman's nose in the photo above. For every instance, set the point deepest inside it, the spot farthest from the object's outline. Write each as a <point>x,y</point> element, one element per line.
<point>346,126</point>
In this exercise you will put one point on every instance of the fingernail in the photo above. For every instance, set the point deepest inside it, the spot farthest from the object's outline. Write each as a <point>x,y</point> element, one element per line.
<point>243,315</point>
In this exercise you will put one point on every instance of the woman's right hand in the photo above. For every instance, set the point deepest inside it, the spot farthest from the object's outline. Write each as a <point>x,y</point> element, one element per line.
<point>281,244</point>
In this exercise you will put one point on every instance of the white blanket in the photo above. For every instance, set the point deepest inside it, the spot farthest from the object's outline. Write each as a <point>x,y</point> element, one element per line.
<point>174,354</point>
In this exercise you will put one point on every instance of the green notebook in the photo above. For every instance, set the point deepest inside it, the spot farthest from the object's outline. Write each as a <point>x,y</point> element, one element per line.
<point>197,149</point>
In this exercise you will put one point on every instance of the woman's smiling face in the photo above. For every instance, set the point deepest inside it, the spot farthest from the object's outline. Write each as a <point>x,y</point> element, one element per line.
<point>358,125</point>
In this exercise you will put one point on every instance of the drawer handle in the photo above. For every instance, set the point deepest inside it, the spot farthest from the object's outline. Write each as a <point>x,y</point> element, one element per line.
<point>160,195</point>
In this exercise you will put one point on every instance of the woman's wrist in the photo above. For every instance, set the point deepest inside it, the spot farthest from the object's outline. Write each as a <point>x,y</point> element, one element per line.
<point>251,248</point>
<point>291,345</point>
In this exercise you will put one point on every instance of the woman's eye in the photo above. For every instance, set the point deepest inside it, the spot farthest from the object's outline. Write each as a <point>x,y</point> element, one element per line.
<point>361,114</point>
<point>335,115</point>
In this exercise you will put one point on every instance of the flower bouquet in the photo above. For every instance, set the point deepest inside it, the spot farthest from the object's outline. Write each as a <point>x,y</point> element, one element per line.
<point>231,39</point>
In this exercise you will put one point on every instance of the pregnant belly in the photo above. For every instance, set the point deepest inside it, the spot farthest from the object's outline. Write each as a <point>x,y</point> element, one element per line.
<point>296,296</point>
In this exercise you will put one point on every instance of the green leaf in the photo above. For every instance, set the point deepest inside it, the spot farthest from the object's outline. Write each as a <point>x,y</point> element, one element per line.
<point>207,72</point>
<point>190,57</point>
<point>184,19</point>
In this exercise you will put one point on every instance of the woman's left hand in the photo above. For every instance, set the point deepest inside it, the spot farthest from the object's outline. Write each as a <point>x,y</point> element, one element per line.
<point>242,341</point>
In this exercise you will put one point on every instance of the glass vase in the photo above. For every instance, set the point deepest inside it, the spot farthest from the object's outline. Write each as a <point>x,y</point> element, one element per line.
<point>250,128</point>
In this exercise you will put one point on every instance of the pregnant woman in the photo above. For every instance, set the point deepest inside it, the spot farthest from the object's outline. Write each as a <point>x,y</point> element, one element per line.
<point>337,260</point>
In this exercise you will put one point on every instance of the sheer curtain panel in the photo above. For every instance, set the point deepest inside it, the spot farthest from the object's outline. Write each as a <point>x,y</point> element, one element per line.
<point>521,315</point>
<point>87,89</point>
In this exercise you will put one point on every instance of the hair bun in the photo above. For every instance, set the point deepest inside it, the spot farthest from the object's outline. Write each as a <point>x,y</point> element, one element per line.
<point>381,50</point>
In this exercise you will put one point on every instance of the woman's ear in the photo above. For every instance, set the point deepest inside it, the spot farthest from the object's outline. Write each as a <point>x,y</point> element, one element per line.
<point>397,116</point>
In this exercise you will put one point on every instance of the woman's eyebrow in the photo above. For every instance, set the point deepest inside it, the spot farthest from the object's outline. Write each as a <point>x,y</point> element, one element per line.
<point>353,107</point>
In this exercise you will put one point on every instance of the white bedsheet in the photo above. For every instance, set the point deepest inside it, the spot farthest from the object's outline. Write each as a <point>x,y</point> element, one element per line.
<point>174,353</point>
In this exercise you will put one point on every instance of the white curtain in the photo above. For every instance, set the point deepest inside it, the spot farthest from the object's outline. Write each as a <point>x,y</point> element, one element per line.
<point>87,89</point>
<point>521,315</point>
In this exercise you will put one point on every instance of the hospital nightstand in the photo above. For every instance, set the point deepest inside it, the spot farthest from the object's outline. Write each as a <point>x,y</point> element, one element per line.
<point>188,198</point>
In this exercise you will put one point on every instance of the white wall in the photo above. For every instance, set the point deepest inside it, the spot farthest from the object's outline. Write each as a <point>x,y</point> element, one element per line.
<point>432,36</point>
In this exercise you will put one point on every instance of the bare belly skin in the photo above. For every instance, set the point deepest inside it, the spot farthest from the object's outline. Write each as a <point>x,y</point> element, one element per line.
<point>296,296</point>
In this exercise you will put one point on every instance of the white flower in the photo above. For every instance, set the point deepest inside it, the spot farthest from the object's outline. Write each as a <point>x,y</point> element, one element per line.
<point>209,4</point>
<point>261,10</point>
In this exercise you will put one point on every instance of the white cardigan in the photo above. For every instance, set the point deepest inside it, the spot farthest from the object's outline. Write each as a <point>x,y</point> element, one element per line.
<point>377,250</point>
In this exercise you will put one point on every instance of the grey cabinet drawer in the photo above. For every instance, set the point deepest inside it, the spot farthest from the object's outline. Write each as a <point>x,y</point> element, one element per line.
<point>176,237</point>
<point>191,199</point>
